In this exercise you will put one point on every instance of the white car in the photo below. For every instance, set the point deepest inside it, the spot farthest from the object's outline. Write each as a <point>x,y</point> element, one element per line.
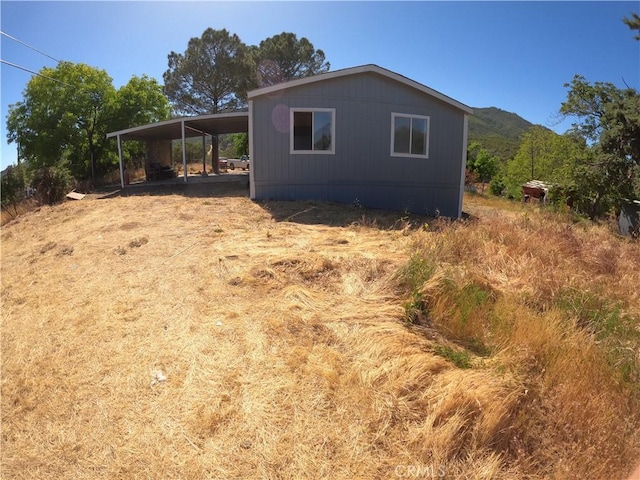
<point>242,162</point>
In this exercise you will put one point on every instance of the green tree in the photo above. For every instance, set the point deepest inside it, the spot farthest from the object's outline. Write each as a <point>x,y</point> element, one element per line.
<point>139,102</point>
<point>211,76</point>
<point>283,57</point>
<point>66,112</point>
<point>609,119</point>
<point>543,155</point>
<point>240,144</point>
<point>600,183</point>
<point>481,163</point>
<point>62,118</point>
<point>621,126</point>
<point>633,23</point>
<point>587,104</point>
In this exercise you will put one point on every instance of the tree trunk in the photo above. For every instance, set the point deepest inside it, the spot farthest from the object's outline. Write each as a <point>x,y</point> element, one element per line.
<point>595,205</point>
<point>93,172</point>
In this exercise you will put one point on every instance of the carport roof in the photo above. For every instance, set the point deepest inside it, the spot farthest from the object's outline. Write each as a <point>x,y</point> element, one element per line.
<point>213,124</point>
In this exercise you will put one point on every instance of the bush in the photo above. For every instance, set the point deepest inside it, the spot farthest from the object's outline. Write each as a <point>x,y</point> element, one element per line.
<point>411,277</point>
<point>51,184</point>
<point>12,189</point>
<point>496,186</point>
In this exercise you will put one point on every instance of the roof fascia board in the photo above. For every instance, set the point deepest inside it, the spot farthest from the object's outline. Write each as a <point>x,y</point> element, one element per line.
<point>356,70</point>
<point>306,80</point>
<point>140,128</point>
<point>209,116</point>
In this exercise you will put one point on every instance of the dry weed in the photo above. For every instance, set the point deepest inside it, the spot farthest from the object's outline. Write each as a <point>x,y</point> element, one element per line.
<point>237,340</point>
<point>518,296</point>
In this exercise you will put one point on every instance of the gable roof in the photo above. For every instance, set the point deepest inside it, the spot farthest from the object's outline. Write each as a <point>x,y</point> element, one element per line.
<point>358,70</point>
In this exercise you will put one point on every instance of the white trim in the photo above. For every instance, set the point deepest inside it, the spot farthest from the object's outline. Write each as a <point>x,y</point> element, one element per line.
<point>395,115</point>
<point>331,151</point>
<point>120,159</point>
<point>356,70</point>
<point>465,131</point>
<point>252,167</point>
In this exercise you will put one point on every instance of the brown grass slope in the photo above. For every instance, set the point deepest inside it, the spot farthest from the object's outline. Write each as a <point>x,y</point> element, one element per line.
<point>164,336</point>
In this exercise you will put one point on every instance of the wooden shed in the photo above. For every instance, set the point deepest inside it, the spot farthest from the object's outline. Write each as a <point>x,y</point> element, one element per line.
<point>362,135</point>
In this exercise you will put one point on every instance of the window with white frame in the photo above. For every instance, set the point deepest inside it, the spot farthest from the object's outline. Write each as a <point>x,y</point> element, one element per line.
<point>409,135</point>
<point>313,130</point>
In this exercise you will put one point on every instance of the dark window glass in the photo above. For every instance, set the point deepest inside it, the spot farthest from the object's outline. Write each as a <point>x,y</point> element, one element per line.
<point>302,130</point>
<point>402,135</point>
<point>418,136</point>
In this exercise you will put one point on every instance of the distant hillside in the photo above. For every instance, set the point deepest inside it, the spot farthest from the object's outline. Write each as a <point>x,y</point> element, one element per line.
<point>497,130</point>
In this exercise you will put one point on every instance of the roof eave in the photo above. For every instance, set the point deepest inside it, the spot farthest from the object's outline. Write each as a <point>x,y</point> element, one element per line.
<point>356,70</point>
<point>128,131</point>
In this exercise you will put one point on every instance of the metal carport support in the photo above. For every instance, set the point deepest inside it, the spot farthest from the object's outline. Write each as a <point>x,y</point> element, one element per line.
<point>184,153</point>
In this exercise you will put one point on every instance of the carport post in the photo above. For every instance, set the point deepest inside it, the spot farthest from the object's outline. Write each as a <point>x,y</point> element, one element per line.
<point>204,156</point>
<point>184,152</point>
<point>120,158</point>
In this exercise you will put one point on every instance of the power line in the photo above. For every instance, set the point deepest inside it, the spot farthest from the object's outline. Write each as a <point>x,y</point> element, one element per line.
<point>29,46</point>
<point>34,73</point>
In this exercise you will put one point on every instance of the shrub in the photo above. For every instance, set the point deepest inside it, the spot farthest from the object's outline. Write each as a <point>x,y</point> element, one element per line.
<point>51,184</point>
<point>496,187</point>
<point>12,189</point>
<point>412,276</point>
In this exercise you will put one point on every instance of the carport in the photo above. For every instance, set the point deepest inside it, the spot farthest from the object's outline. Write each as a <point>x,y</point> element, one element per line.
<point>183,128</point>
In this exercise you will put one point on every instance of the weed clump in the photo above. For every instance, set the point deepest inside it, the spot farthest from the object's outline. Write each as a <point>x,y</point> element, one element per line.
<point>556,314</point>
<point>138,242</point>
<point>459,357</point>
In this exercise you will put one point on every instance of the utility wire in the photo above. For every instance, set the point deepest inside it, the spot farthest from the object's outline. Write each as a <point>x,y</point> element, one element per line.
<point>29,46</point>
<point>35,73</point>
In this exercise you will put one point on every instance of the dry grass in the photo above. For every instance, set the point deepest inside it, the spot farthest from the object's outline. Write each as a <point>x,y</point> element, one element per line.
<point>164,336</point>
<point>9,214</point>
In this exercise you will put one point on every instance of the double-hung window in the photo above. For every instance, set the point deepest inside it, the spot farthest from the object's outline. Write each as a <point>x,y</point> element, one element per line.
<point>313,130</point>
<point>409,135</point>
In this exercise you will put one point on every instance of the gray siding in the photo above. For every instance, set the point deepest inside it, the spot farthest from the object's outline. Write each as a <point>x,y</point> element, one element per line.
<point>362,169</point>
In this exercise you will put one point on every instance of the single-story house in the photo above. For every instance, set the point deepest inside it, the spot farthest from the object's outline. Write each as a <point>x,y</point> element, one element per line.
<point>362,135</point>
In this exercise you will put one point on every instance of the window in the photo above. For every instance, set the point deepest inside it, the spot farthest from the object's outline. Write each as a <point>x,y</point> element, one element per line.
<point>409,135</point>
<point>313,130</point>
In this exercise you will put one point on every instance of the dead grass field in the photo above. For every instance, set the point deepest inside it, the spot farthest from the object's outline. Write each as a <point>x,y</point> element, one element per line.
<point>206,336</point>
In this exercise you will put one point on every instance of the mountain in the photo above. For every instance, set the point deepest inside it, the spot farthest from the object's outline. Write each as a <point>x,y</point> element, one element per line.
<point>497,130</point>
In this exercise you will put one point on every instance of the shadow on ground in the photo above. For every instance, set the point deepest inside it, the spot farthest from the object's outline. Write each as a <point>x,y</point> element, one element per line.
<point>341,215</point>
<point>197,190</point>
<point>303,212</point>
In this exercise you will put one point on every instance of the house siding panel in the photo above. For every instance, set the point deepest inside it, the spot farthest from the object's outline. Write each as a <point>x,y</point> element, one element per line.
<point>362,169</point>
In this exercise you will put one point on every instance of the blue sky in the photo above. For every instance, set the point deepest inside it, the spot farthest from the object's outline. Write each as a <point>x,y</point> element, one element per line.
<point>513,55</point>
